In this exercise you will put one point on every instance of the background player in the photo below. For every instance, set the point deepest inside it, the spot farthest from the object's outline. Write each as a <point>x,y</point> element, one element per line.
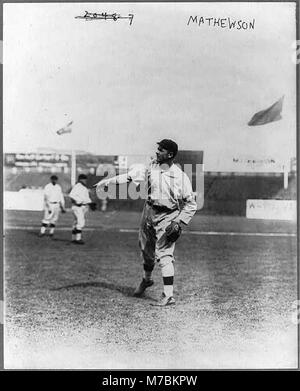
<point>80,200</point>
<point>54,202</point>
<point>167,186</point>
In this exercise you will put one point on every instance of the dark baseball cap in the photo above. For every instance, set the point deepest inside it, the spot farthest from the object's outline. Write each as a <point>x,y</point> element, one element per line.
<point>82,176</point>
<point>53,178</point>
<point>169,145</point>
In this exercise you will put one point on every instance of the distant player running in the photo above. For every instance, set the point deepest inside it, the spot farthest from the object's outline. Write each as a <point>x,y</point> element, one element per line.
<point>54,202</point>
<point>170,204</point>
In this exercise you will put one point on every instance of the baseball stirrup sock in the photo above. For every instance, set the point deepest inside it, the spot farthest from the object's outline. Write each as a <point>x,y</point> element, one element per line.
<point>73,233</point>
<point>43,228</point>
<point>52,227</point>
<point>168,286</point>
<point>78,234</point>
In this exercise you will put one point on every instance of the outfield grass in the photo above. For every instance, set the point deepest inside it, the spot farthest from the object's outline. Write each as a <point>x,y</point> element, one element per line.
<point>72,307</point>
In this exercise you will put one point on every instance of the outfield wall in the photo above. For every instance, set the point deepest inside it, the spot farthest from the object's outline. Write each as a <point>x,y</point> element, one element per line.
<point>223,194</point>
<point>228,195</point>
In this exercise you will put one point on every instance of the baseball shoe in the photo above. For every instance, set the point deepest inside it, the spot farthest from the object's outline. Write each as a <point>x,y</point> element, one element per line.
<point>164,301</point>
<point>142,287</point>
<point>78,241</point>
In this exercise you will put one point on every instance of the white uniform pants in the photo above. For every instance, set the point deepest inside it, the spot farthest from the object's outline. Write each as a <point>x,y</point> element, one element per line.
<point>51,213</point>
<point>152,237</point>
<point>79,216</point>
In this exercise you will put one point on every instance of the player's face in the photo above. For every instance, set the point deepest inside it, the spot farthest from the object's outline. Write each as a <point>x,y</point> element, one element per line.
<point>162,155</point>
<point>54,181</point>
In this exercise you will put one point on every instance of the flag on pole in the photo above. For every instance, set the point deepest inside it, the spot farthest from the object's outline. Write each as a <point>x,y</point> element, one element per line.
<point>271,114</point>
<point>66,129</point>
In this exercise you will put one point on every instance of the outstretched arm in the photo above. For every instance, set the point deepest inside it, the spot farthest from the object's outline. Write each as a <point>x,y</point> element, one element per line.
<point>118,179</point>
<point>135,174</point>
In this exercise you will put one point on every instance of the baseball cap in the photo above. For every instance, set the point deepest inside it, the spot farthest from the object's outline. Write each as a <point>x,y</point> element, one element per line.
<point>54,177</point>
<point>82,176</point>
<point>169,145</point>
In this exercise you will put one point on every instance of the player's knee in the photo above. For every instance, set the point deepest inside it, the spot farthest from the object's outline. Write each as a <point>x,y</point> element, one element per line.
<point>167,269</point>
<point>164,259</point>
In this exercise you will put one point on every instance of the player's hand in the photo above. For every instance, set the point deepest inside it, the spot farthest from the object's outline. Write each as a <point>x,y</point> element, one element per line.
<point>173,231</point>
<point>102,183</point>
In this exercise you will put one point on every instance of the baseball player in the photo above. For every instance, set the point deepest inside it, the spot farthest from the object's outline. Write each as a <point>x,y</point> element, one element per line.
<point>80,204</point>
<point>168,187</point>
<point>54,202</point>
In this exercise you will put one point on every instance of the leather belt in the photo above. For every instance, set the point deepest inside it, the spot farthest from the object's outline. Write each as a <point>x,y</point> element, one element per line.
<point>160,208</point>
<point>74,203</point>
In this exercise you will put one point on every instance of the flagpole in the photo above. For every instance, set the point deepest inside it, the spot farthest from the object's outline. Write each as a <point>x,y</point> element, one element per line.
<point>73,167</point>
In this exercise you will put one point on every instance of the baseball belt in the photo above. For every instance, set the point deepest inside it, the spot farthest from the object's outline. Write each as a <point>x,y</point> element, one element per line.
<point>160,208</point>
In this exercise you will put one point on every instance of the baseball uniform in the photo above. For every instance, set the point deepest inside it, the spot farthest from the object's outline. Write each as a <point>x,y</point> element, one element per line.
<point>53,202</point>
<point>169,199</point>
<point>80,199</point>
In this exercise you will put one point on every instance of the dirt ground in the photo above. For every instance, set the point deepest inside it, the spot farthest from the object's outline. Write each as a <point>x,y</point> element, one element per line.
<point>71,306</point>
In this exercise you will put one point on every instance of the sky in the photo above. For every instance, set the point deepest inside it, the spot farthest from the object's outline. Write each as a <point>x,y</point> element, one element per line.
<point>125,87</point>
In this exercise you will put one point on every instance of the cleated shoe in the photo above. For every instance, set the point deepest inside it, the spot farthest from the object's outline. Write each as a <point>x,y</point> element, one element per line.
<point>142,287</point>
<point>164,301</point>
<point>78,241</point>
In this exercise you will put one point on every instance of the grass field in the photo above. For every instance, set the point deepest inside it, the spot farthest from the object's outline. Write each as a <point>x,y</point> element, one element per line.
<point>71,306</point>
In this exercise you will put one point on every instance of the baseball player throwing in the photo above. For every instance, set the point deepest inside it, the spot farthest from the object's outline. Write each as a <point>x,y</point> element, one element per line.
<point>80,204</point>
<point>54,202</point>
<point>170,205</point>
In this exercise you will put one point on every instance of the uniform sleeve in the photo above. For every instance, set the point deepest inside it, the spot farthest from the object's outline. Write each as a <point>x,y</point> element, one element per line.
<point>189,202</point>
<point>118,179</point>
<point>135,174</point>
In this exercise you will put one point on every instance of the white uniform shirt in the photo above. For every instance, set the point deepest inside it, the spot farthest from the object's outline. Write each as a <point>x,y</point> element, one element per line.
<point>166,187</point>
<point>54,194</point>
<point>80,194</point>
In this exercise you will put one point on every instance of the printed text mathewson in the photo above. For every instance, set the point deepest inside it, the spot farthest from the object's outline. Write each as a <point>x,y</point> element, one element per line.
<point>225,23</point>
